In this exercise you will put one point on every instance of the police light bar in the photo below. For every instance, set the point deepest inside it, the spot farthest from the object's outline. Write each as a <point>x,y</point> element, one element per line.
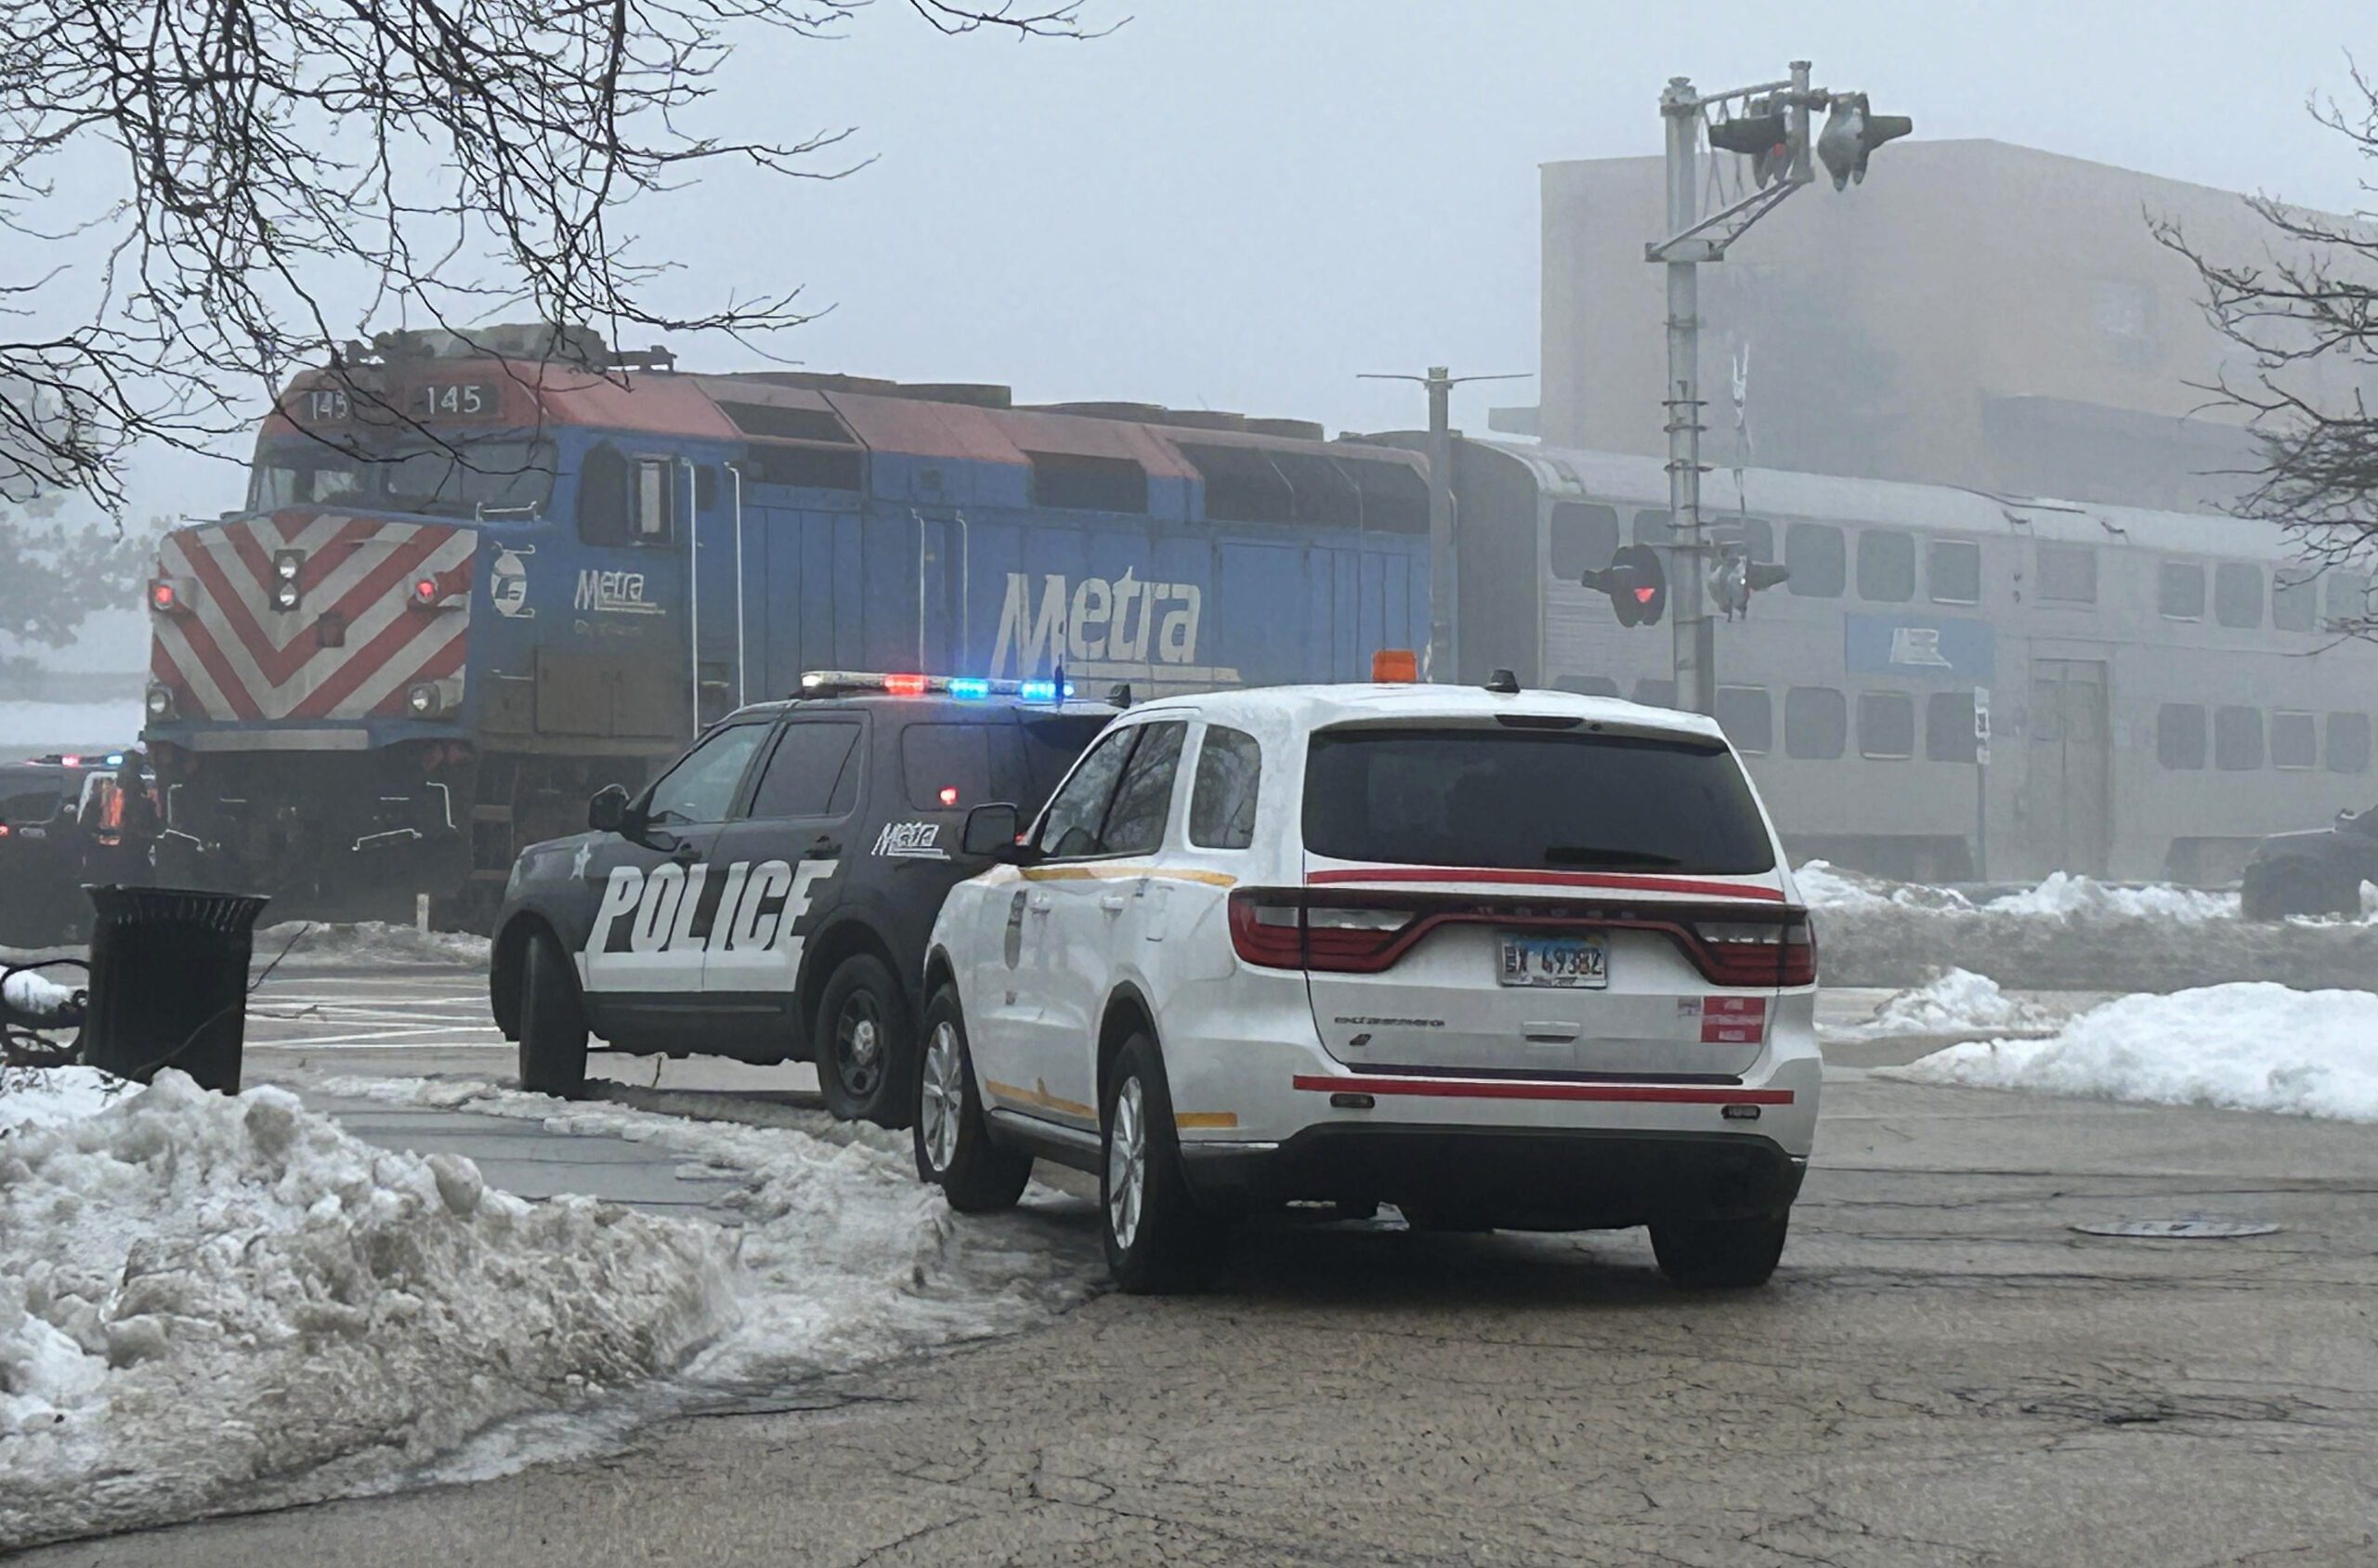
<point>966,688</point>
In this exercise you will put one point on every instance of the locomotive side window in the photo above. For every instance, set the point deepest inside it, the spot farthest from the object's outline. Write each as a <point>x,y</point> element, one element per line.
<point>1886,724</point>
<point>1814,555</point>
<point>2068,573</point>
<point>1886,566</point>
<point>2237,739</point>
<point>1948,726</point>
<point>1582,538</point>
<point>2295,740</point>
<point>650,511</point>
<point>2238,595</point>
<point>1816,723</point>
<point>2180,735</point>
<point>603,497</point>
<point>2179,591</point>
<point>2348,742</point>
<point>1954,569</point>
<point>2294,599</point>
<point>1748,719</point>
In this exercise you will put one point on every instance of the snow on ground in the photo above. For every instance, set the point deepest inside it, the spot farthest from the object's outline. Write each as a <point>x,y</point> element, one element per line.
<point>49,1096</point>
<point>2063,896</point>
<point>366,942</point>
<point>2251,1046</point>
<point>210,1301</point>
<point>1958,1002</point>
<point>48,726</point>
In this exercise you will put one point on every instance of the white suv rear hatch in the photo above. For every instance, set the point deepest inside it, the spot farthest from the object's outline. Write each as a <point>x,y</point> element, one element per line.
<point>1535,896</point>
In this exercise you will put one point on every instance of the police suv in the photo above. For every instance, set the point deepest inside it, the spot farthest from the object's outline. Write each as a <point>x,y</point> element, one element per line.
<point>67,819</point>
<point>768,896</point>
<point>1499,957</point>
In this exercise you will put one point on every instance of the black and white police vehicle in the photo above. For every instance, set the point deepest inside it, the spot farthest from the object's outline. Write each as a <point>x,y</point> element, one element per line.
<point>768,896</point>
<point>1502,959</point>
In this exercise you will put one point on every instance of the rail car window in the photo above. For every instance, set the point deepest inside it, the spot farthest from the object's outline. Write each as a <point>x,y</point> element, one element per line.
<point>2348,595</point>
<point>1817,559</point>
<point>1816,723</point>
<point>2237,739</point>
<point>1581,539</point>
<point>1948,726</point>
<point>2180,735</point>
<point>834,468</point>
<point>1652,528</point>
<point>1588,685</point>
<point>2295,740</point>
<point>1655,694</point>
<point>1886,566</point>
<point>1747,717</point>
<point>2348,742</point>
<point>1953,568</point>
<point>2238,595</point>
<point>2068,573</point>
<point>2179,591</point>
<point>2295,598</point>
<point>1886,724</point>
<point>1071,482</point>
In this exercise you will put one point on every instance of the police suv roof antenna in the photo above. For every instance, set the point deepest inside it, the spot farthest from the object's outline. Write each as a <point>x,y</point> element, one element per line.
<point>1502,682</point>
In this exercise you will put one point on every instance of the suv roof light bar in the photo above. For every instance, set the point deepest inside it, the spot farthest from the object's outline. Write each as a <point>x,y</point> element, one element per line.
<point>966,688</point>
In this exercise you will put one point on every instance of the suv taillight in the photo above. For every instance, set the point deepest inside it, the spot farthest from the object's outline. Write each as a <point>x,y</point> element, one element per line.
<point>1283,928</point>
<point>1759,952</point>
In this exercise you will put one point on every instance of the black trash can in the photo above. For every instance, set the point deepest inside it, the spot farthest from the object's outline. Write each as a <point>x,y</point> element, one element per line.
<point>169,983</point>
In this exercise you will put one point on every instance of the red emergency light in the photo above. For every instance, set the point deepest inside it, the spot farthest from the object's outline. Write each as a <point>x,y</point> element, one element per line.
<point>907,686</point>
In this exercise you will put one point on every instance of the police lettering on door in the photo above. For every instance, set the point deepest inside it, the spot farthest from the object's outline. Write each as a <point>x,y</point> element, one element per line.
<point>663,929</point>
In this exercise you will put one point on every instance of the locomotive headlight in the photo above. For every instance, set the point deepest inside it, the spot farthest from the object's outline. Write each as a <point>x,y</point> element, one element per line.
<point>284,595</point>
<point>159,701</point>
<point>423,699</point>
<point>285,565</point>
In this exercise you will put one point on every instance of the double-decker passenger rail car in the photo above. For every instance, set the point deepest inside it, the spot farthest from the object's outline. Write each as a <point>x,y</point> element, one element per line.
<point>472,586</point>
<point>2162,690</point>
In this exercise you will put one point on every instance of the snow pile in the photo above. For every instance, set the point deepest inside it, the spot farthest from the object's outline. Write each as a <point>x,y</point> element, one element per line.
<point>33,994</point>
<point>2064,898</point>
<point>1823,886</point>
<point>48,1096</point>
<point>2253,1045</point>
<point>367,942</point>
<point>199,1294</point>
<point>1958,1002</point>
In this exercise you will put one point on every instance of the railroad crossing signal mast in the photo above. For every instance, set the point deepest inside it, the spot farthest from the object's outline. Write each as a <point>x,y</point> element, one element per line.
<point>1768,125</point>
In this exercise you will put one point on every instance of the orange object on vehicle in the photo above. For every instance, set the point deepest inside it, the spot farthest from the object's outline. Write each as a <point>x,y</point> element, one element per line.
<point>1395,664</point>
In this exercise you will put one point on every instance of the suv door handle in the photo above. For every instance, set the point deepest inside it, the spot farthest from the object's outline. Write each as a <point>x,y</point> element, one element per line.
<point>823,849</point>
<point>686,852</point>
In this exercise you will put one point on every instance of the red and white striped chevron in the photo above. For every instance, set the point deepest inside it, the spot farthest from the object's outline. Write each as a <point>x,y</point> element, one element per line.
<point>231,655</point>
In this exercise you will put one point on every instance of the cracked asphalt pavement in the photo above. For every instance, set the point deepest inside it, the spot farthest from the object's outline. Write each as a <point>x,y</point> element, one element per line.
<point>1943,1372</point>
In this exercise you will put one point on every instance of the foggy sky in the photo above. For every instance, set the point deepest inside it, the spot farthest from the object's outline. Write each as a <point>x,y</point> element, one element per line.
<point>1242,203</point>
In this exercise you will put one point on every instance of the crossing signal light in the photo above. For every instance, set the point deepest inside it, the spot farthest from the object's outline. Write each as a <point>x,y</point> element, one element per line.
<point>1736,576</point>
<point>1851,133</point>
<point>1762,134</point>
<point>1635,583</point>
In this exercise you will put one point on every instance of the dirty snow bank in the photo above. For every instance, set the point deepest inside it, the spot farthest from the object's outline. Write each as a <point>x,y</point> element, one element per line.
<point>2252,1047</point>
<point>1958,1002</point>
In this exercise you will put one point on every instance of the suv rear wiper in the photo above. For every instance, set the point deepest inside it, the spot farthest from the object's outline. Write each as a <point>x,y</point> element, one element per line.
<point>1590,854</point>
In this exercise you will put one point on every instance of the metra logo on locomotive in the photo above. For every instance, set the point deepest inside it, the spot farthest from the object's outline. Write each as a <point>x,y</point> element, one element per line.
<point>1094,622</point>
<point>677,909</point>
<point>615,592</point>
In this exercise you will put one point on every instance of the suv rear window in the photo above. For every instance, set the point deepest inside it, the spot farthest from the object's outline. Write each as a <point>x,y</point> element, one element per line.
<point>1531,800</point>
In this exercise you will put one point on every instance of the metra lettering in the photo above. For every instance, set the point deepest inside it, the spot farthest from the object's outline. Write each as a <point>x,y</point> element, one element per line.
<point>758,908</point>
<point>1093,621</point>
<point>614,592</point>
<point>919,840</point>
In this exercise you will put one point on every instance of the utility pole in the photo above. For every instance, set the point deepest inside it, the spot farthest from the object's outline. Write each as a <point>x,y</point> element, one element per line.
<point>1773,130</point>
<point>1438,662</point>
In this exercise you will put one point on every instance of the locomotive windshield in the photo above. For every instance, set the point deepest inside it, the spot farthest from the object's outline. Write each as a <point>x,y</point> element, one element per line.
<point>454,478</point>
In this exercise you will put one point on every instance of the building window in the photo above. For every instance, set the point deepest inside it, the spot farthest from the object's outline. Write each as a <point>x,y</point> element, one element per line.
<point>1886,724</point>
<point>1583,538</point>
<point>1655,694</point>
<point>2068,573</point>
<point>2179,591</point>
<point>1954,569</point>
<point>2295,740</point>
<point>2348,742</point>
<point>2294,599</point>
<point>2238,595</point>
<point>1886,566</point>
<point>1948,726</point>
<point>1814,555</point>
<point>1816,723</point>
<point>1748,719</point>
<point>2349,593</point>
<point>2180,735</point>
<point>2237,739</point>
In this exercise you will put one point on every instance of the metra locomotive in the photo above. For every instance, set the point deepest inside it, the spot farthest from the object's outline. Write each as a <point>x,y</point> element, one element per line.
<point>473,584</point>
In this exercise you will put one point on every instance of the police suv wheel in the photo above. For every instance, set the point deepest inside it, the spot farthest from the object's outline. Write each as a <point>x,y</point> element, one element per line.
<point>862,1044</point>
<point>1720,1254</point>
<point>953,1141</point>
<point>1154,1234</point>
<point>553,1026</point>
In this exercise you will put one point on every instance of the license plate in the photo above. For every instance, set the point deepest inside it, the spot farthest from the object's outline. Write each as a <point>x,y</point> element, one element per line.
<point>1563,962</point>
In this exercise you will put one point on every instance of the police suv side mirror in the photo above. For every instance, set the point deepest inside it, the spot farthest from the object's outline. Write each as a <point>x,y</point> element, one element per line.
<point>991,830</point>
<point>607,812</point>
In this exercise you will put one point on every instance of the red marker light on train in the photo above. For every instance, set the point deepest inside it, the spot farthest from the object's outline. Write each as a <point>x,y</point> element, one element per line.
<point>424,593</point>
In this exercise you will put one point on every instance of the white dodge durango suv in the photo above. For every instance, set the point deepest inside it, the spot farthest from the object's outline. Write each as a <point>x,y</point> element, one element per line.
<point>1499,957</point>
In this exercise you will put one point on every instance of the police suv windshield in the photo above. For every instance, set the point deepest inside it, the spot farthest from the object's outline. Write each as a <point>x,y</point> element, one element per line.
<point>1531,800</point>
<point>460,477</point>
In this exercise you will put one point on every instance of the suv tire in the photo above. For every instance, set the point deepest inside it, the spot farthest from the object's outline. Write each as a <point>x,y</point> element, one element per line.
<point>1720,1254</point>
<point>553,1024</point>
<point>862,1044</point>
<point>1154,1234</point>
<point>953,1141</point>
